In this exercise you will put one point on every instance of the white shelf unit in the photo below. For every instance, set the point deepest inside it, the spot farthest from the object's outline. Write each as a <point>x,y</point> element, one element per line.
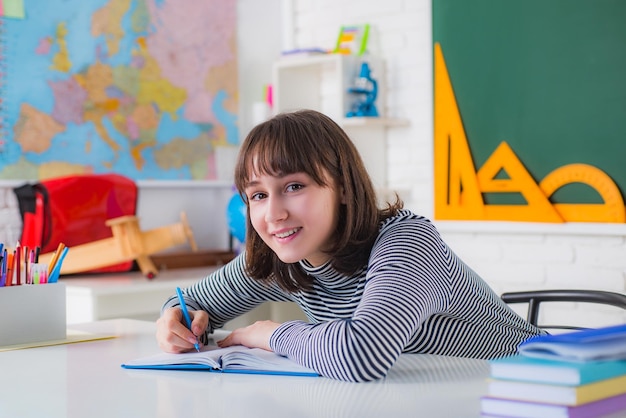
<point>321,83</point>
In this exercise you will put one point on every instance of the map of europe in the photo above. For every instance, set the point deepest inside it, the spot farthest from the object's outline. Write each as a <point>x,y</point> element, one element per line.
<point>143,88</point>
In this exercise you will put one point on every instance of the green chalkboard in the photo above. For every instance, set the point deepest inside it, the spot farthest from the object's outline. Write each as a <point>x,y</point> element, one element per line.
<point>546,76</point>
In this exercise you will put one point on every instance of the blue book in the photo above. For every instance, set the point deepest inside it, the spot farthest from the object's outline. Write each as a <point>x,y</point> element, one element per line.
<point>235,359</point>
<point>568,373</point>
<point>607,343</point>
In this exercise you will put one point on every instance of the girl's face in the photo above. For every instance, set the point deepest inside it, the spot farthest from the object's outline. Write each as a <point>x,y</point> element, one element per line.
<point>295,216</point>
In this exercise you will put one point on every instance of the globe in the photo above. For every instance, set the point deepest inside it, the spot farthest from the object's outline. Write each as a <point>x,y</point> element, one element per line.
<point>236,217</point>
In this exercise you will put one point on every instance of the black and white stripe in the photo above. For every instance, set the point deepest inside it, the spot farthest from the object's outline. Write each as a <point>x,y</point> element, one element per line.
<point>415,296</point>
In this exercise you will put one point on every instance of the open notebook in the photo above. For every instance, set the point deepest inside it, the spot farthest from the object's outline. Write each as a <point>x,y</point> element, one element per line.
<point>235,359</point>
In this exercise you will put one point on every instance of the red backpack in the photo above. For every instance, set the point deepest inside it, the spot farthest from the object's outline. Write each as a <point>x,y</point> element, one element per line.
<point>73,210</point>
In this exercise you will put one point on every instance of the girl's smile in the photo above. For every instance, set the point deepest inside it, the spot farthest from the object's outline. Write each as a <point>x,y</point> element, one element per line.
<point>286,234</point>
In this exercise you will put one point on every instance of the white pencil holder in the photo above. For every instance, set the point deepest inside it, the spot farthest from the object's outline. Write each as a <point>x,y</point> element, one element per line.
<point>32,313</point>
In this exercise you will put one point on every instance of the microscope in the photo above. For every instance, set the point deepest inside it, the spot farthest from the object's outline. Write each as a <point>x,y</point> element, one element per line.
<point>365,89</point>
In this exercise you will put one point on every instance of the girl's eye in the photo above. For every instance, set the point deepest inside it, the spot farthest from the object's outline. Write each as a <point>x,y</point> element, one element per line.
<point>256,196</point>
<point>294,187</point>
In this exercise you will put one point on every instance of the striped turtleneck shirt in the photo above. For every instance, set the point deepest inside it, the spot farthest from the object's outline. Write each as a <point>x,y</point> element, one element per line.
<point>414,296</point>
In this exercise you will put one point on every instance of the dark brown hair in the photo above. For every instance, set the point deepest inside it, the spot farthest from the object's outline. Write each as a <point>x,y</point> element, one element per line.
<point>310,142</point>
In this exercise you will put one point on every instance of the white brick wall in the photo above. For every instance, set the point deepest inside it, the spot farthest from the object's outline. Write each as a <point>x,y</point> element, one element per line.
<point>507,255</point>
<point>512,259</point>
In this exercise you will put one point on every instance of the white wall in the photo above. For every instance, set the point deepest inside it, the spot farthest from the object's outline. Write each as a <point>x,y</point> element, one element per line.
<point>510,256</point>
<point>259,44</point>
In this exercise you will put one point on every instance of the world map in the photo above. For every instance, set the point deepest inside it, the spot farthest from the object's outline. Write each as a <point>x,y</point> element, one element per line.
<point>143,88</point>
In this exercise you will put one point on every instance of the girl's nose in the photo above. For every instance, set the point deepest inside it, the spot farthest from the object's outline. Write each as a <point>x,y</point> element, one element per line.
<point>276,210</point>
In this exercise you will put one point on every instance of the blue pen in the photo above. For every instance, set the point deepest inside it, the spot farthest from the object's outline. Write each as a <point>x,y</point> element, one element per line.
<point>183,308</point>
<point>53,277</point>
<point>3,267</point>
<point>2,276</point>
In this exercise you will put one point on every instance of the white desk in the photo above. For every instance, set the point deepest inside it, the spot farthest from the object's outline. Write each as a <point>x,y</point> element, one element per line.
<point>124,295</point>
<point>131,295</point>
<point>86,380</point>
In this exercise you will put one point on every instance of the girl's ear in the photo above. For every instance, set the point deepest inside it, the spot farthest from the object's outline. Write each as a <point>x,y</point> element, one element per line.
<point>342,194</point>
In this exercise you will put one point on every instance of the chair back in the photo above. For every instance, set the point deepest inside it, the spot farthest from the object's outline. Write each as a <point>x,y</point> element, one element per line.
<point>534,299</point>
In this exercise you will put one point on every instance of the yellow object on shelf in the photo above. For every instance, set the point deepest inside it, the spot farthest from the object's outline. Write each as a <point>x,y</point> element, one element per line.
<point>128,243</point>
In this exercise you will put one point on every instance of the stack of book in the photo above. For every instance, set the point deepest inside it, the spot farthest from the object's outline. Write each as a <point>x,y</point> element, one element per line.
<point>575,375</point>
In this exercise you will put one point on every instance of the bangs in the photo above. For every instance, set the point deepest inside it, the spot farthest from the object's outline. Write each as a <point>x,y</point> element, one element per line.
<point>275,157</point>
<point>286,148</point>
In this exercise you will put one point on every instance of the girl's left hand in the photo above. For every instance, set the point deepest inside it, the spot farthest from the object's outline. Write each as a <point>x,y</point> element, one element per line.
<point>256,335</point>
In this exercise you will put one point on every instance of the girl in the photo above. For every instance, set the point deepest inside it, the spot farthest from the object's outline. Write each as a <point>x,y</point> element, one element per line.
<point>374,283</point>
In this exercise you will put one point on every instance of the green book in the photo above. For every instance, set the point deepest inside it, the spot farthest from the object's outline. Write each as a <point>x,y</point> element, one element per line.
<point>530,369</point>
<point>557,394</point>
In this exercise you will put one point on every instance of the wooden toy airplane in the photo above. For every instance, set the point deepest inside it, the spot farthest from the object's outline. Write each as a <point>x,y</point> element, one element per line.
<point>128,243</point>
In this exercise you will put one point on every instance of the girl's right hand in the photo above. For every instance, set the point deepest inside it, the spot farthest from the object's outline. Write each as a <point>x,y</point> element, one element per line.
<point>173,336</point>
